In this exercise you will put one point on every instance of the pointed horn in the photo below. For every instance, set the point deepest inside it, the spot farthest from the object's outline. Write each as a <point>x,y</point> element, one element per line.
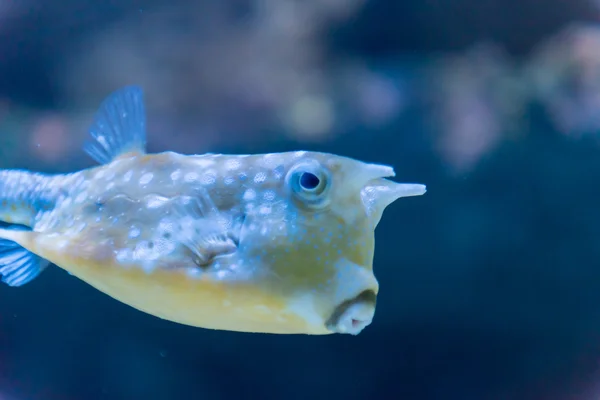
<point>380,193</point>
<point>386,192</point>
<point>409,189</point>
<point>374,171</point>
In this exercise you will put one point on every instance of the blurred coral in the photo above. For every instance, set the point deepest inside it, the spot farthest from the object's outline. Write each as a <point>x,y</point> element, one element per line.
<point>208,66</point>
<point>216,74</point>
<point>565,77</point>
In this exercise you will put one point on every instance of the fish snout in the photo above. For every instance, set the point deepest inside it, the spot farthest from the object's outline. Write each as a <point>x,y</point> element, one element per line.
<point>352,316</point>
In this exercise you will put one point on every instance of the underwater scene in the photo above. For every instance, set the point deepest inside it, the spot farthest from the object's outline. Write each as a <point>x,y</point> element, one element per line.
<point>285,199</point>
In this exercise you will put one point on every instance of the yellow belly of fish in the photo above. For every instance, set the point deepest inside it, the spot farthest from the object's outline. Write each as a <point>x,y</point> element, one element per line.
<point>194,301</point>
<point>175,296</point>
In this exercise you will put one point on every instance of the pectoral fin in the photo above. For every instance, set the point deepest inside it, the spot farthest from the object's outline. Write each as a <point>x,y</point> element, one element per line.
<point>205,231</point>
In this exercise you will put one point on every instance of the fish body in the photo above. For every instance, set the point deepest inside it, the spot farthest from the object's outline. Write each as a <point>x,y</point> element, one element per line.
<point>273,243</point>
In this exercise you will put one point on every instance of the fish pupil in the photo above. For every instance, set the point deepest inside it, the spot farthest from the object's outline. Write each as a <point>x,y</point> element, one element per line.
<point>309,181</point>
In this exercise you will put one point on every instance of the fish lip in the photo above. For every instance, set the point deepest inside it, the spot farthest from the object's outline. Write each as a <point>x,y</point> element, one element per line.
<point>353,315</point>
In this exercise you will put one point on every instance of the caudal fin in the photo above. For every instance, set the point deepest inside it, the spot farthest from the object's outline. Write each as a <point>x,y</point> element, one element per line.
<point>18,265</point>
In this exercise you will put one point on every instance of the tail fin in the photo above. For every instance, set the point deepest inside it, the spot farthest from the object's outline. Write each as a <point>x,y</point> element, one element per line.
<point>23,195</point>
<point>18,265</point>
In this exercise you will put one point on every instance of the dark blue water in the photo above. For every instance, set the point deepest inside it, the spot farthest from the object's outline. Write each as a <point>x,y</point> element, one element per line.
<point>490,283</point>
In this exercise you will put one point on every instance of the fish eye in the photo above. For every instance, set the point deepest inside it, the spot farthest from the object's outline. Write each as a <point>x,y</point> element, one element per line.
<point>309,182</point>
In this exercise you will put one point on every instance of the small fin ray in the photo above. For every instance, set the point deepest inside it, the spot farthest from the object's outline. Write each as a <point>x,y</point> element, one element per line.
<point>204,231</point>
<point>18,265</point>
<point>207,247</point>
<point>119,126</point>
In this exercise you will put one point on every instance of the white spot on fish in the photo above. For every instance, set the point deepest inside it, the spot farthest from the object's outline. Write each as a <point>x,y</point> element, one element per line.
<point>176,175</point>
<point>271,160</point>
<point>204,162</point>
<point>81,197</point>
<point>249,195</point>
<point>146,178</point>
<point>145,251</point>
<point>134,232</point>
<point>222,275</point>
<point>229,180</point>
<point>265,210</point>
<point>166,225</point>
<point>191,177</point>
<point>233,164</point>
<point>208,179</point>
<point>269,195</point>
<point>124,256</point>
<point>260,177</point>
<point>193,272</point>
<point>156,201</point>
<point>127,176</point>
<point>163,246</point>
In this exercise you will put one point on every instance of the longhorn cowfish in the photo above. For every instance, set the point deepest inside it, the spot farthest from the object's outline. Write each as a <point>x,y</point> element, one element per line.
<point>272,243</point>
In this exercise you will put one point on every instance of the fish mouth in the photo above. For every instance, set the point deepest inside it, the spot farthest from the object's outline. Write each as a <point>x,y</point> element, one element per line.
<point>354,315</point>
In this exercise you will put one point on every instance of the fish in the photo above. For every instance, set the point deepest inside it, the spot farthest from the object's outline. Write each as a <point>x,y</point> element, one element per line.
<point>278,243</point>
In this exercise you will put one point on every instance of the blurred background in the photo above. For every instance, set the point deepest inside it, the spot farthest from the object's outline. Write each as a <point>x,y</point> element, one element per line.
<point>490,283</point>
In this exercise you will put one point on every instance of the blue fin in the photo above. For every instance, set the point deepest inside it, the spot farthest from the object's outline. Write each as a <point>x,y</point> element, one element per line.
<point>18,265</point>
<point>119,126</point>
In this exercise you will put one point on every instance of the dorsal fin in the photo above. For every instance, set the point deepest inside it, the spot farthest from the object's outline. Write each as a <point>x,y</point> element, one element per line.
<point>119,126</point>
